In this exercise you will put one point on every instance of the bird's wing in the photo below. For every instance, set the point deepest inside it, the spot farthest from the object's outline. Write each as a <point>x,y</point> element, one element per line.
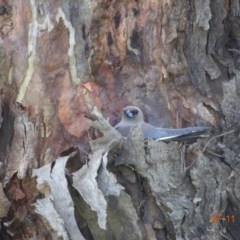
<point>181,134</point>
<point>124,130</point>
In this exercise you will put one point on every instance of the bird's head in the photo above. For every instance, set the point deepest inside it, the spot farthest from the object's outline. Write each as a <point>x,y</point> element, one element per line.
<point>132,114</point>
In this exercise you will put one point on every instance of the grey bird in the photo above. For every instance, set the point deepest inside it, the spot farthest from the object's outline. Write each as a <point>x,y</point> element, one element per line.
<point>133,116</point>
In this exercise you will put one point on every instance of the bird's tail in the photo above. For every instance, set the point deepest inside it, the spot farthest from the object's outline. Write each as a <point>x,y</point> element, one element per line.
<point>181,134</point>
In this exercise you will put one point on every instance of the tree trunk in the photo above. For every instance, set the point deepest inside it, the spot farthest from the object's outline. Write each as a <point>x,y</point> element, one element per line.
<point>66,67</point>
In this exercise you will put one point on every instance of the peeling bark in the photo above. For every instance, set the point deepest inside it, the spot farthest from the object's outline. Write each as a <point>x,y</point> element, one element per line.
<point>63,176</point>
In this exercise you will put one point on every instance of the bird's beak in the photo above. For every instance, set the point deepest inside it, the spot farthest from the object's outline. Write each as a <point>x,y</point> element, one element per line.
<point>128,113</point>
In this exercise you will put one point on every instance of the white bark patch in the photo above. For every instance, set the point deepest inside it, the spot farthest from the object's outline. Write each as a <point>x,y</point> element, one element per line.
<point>57,208</point>
<point>45,207</point>
<point>71,54</point>
<point>32,39</point>
<point>94,182</point>
<point>23,147</point>
<point>107,181</point>
<point>84,180</point>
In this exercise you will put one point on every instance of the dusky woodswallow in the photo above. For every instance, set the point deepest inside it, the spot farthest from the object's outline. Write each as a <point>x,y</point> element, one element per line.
<point>133,116</point>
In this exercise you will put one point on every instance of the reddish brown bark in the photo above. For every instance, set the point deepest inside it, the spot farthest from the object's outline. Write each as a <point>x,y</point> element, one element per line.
<point>63,60</point>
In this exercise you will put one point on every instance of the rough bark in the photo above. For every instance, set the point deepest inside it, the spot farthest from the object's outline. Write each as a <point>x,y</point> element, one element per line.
<point>64,176</point>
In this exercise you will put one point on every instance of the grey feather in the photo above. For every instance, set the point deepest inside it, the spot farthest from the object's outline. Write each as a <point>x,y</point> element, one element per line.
<point>133,116</point>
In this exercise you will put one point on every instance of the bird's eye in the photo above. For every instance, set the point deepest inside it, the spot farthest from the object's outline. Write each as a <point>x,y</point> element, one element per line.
<point>131,113</point>
<point>135,112</point>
